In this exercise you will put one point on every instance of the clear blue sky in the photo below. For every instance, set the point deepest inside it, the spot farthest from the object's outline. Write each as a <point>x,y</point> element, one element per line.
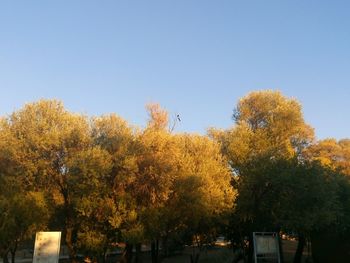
<point>196,58</point>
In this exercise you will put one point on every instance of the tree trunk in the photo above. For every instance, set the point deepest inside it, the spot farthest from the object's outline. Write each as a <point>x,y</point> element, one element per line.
<point>299,252</point>
<point>138,258</point>
<point>127,254</point>
<point>13,256</point>
<point>128,249</point>
<point>195,251</point>
<point>69,230</point>
<point>13,251</point>
<point>280,247</point>
<point>154,255</point>
<point>69,243</point>
<point>103,256</point>
<point>165,248</point>
<point>5,258</point>
<point>250,249</point>
<point>195,259</point>
<point>157,250</point>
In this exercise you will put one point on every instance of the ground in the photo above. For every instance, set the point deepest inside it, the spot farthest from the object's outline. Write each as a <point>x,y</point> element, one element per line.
<point>216,254</point>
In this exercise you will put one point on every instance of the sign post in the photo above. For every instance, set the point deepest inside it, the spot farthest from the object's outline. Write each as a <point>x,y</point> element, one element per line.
<point>266,247</point>
<point>47,247</point>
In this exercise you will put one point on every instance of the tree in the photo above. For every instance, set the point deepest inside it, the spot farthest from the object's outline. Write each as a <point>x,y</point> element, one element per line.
<point>23,209</point>
<point>331,243</point>
<point>56,153</point>
<point>310,201</point>
<point>158,117</point>
<point>117,219</point>
<point>202,194</point>
<point>271,124</point>
<point>182,184</point>
<point>269,132</point>
<point>157,161</point>
<point>22,214</point>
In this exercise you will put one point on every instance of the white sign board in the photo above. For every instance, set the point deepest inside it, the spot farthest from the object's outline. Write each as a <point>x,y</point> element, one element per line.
<point>266,244</point>
<point>47,247</point>
<point>266,247</point>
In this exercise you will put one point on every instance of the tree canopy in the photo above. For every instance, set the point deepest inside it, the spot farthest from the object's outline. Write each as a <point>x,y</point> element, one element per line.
<point>105,182</point>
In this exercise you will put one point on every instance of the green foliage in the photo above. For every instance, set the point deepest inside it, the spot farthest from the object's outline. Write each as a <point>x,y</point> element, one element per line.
<point>269,132</point>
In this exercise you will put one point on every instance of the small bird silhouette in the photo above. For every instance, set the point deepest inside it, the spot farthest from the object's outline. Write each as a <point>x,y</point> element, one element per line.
<point>178,117</point>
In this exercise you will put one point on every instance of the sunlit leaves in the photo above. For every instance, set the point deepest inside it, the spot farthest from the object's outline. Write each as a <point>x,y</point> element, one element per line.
<point>331,153</point>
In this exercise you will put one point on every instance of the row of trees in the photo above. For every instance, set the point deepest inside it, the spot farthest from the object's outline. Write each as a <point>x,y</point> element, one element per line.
<point>102,181</point>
